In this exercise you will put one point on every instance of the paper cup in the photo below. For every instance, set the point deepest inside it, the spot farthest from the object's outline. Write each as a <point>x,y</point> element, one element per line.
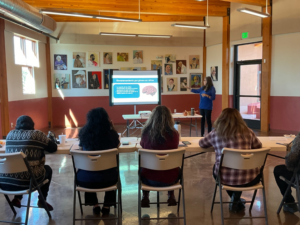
<point>62,139</point>
<point>120,135</point>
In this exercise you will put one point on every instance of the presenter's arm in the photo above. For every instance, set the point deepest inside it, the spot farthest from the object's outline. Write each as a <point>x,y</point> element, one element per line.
<point>195,90</point>
<point>213,94</point>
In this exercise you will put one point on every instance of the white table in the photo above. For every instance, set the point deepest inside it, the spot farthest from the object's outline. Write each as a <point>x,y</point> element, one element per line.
<point>134,145</point>
<point>178,116</point>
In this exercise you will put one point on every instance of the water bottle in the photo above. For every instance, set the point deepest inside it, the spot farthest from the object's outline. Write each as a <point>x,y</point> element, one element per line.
<point>177,126</point>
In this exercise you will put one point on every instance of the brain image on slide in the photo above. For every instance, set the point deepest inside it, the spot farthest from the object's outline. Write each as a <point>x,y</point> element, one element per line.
<point>149,90</point>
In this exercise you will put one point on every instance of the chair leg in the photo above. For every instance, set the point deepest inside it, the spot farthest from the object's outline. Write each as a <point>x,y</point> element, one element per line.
<point>42,199</point>
<point>120,198</point>
<point>179,195</point>
<point>213,199</point>
<point>28,202</point>
<point>157,195</point>
<point>139,204</point>
<point>10,204</point>
<point>80,202</point>
<point>183,204</point>
<point>221,204</point>
<point>284,196</point>
<point>297,191</point>
<point>74,203</point>
<point>253,199</point>
<point>265,205</point>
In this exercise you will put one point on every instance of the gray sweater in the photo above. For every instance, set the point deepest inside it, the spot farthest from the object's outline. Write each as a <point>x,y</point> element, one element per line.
<point>292,160</point>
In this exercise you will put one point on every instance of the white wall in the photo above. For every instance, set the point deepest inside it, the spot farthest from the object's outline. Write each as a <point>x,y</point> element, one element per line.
<point>14,72</point>
<point>286,65</point>
<point>149,53</point>
<point>214,58</point>
<point>214,33</point>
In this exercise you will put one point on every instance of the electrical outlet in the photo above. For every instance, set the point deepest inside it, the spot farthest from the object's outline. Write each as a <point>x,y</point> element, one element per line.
<point>12,125</point>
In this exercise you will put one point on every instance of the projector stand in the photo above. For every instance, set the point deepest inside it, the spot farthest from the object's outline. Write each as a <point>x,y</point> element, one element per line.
<point>135,124</point>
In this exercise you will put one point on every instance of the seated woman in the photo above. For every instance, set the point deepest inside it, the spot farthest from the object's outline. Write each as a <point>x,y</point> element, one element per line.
<point>159,134</point>
<point>292,162</point>
<point>33,143</point>
<point>98,134</point>
<point>232,132</point>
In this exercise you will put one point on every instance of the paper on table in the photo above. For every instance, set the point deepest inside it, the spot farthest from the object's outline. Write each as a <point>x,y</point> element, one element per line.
<point>282,140</point>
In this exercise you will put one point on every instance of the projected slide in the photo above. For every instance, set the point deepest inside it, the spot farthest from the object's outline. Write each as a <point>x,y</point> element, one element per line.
<point>134,89</point>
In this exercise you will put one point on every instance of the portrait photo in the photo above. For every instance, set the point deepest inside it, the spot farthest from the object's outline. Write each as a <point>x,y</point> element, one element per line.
<point>79,59</point>
<point>214,73</point>
<point>107,58</point>
<point>183,83</point>
<point>62,81</point>
<point>170,58</point>
<point>60,62</point>
<point>168,69</point>
<point>172,84</point>
<point>196,80</point>
<point>78,79</point>
<point>106,78</point>
<point>93,59</point>
<point>137,56</point>
<point>122,57</point>
<point>181,67</point>
<point>156,64</point>
<point>94,80</point>
<point>194,62</point>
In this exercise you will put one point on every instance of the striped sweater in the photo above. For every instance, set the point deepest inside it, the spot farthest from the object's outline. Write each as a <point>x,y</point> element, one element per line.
<point>32,143</point>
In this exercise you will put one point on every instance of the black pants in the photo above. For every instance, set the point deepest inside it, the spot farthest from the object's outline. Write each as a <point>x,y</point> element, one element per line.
<point>91,197</point>
<point>206,114</point>
<point>44,188</point>
<point>237,194</point>
<point>281,170</point>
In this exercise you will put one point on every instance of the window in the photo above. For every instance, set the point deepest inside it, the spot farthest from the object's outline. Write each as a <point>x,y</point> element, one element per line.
<point>28,80</point>
<point>26,55</point>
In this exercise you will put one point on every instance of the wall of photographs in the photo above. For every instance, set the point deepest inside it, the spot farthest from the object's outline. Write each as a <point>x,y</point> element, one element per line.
<point>82,70</point>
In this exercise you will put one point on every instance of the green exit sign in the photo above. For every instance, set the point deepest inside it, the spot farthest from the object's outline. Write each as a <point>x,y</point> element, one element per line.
<point>245,35</point>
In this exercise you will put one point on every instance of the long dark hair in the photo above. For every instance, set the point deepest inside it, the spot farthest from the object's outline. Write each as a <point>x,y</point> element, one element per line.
<point>209,84</point>
<point>159,124</point>
<point>96,130</point>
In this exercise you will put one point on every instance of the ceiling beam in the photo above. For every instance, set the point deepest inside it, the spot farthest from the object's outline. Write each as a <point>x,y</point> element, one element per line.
<point>249,2</point>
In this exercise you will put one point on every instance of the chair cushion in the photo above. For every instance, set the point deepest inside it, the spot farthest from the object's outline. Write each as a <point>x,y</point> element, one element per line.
<point>230,188</point>
<point>145,187</point>
<point>111,188</point>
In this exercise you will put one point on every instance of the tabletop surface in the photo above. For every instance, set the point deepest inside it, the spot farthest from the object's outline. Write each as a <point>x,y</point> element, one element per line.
<point>174,115</point>
<point>134,144</point>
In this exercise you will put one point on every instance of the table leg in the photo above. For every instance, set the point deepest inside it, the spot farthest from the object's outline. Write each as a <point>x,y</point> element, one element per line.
<point>191,127</point>
<point>196,127</point>
<point>127,128</point>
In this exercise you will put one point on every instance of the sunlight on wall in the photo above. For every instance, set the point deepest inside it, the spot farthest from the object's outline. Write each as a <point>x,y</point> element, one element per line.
<point>73,117</point>
<point>61,94</point>
<point>67,122</point>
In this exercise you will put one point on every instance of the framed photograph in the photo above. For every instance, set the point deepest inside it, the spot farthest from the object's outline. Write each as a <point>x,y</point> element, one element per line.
<point>78,79</point>
<point>137,56</point>
<point>94,80</point>
<point>122,57</point>
<point>194,62</point>
<point>181,67</point>
<point>214,73</point>
<point>156,64</point>
<point>196,80</point>
<point>60,62</point>
<point>93,59</point>
<point>170,58</point>
<point>161,57</point>
<point>106,78</point>
<point>62,81</point>
<point>172,84</point>
<point>183,83</point>
<point>107,58</point>
<point>79,59</point>
<point>168,69</point>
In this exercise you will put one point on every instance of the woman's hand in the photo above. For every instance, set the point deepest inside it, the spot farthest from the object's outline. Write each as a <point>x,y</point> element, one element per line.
<point>205,95</point>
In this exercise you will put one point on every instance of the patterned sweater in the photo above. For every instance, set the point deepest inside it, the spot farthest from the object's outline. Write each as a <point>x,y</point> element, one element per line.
<point>32,143</point>
<point>292,160</point>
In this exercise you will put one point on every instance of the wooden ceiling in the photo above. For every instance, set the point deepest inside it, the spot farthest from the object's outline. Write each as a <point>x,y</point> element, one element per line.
<point>151,10</point>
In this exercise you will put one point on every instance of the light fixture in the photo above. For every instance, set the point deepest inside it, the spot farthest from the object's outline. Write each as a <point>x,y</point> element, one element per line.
<point>118,34</point>
<point>254,12</point>
<point>154,36</point>
<point>194,26</point>
<point>190,26</point>
<point>90,16</point>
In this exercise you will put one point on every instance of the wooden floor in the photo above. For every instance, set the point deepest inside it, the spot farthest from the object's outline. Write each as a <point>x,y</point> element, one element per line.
<point>199,186</point>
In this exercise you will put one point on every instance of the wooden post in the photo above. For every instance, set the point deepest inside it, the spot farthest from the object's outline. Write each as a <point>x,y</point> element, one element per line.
<point>49,83</point>
<point>266,71</point>
<point>3,83</point>
<point>204,54</point>
<point>225,62</point>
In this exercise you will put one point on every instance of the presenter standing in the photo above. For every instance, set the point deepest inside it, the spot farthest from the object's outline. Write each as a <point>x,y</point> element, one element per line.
<point>207,95</point>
